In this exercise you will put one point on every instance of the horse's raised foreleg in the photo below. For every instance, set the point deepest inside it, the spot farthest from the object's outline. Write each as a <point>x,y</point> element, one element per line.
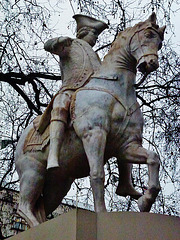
<point>139,155</point>
<point>145,202</point>
<point>94,144</point>
<point>31,184</point>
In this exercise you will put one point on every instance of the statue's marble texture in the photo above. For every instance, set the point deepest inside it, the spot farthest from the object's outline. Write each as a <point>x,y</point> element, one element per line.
<point>104,121</point>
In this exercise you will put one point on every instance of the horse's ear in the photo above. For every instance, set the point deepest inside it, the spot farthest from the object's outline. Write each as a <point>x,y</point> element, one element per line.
<point>161,31</point>
<point>152,18</point>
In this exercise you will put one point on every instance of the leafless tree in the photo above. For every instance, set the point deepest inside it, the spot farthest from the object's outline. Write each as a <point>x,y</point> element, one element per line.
<point>29,77</point>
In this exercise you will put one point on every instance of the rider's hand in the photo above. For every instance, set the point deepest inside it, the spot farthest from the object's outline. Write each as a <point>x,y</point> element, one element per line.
<point>65,41</point>
<point>56,45</point>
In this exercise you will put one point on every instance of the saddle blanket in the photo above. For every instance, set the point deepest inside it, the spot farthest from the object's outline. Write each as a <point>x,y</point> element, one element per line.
<point>36,141</point>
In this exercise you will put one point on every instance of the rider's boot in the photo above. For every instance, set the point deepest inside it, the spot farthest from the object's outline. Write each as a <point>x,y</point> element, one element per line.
<point>125,186</point>
<point>57,129</point>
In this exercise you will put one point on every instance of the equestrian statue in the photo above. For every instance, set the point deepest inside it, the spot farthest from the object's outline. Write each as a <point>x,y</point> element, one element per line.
<point>94,116</point>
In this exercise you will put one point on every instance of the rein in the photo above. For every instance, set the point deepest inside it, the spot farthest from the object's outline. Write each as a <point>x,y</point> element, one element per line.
<point>145,55</point>
<point>140,45</point>
<point>104,78</point>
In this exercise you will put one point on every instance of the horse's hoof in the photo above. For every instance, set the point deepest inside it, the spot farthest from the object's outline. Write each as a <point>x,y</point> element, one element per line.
<point>145,204</point>
<point>31,221</point>
<point>131,191</point>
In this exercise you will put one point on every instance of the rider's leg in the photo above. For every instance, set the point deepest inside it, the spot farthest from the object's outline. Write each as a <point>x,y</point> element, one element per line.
<point>57,129</point>
<point>58,123</point>
<point>125,186</point>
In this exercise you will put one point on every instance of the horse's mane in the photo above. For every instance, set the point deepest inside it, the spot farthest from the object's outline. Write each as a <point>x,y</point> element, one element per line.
<point>122,37</point>
<point>128,33</point>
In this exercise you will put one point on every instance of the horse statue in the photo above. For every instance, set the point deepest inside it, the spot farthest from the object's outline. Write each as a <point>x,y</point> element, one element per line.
<point>106,121</point>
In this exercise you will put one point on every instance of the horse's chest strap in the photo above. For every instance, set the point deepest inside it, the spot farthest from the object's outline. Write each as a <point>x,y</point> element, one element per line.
<point>128,111</point>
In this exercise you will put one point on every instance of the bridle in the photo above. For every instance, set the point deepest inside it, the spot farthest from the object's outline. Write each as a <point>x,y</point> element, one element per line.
<point>140,45</point>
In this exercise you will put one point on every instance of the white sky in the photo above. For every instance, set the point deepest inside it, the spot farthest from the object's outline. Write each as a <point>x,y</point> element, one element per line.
<point>65,18</point>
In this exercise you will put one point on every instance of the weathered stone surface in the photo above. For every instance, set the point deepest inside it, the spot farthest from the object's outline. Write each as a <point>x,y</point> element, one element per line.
<point>105,121</point>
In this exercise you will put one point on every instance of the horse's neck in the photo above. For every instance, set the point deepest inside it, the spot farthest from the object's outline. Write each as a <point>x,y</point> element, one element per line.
<point>122,69</point>
<point>116,60</point>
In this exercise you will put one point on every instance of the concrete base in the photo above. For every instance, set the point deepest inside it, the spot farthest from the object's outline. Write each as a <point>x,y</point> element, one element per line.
<point>85,225</point>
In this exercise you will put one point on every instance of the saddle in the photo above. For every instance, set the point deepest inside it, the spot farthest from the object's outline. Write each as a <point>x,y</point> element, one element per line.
<point>39,136</point>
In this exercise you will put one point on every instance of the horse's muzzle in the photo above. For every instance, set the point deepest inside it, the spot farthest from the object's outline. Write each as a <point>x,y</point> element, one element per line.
<point>148,64</point>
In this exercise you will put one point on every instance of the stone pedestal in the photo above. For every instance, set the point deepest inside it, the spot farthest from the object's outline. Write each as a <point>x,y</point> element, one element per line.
<point>85,225</point>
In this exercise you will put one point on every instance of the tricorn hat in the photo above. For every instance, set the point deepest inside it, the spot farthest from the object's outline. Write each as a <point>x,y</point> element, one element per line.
<point>86,21</point>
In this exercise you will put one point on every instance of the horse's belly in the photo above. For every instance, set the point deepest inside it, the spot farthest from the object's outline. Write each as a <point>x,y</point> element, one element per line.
<point>73,159</point>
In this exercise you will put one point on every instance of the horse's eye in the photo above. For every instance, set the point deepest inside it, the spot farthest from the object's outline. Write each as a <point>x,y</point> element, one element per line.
<point>149,34</point>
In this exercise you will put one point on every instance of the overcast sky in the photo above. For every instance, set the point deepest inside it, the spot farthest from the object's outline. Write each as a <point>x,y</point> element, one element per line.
<point>65,18</point>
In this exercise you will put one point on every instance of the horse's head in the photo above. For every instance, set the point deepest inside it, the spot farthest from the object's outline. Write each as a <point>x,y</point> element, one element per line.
<point>145,43</point>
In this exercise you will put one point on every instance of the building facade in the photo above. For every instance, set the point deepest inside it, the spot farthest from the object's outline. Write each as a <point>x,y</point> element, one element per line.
<point>10,222</point>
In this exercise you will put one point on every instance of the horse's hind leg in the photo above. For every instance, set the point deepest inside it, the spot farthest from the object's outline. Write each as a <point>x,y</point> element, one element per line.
<point>40,210</point>
<point>31,184</point>
<point>94,144</point>
<point>137,154</point>
<point>125,186</point>
<point>55,189</point>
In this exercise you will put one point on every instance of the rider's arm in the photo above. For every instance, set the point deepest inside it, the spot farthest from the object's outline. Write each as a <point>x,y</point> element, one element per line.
<point>57,45</point>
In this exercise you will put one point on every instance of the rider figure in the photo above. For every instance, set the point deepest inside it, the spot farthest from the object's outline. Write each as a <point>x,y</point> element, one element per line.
<point>78,62</point>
